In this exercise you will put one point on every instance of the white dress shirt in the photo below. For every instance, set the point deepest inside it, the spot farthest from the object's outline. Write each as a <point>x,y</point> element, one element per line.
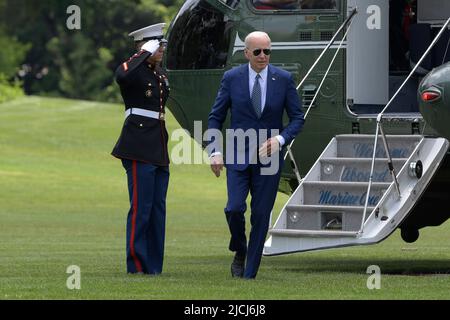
<point>263,83</point>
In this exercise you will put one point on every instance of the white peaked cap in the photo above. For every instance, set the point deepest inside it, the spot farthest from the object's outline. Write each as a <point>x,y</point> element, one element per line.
<point>151,32</point>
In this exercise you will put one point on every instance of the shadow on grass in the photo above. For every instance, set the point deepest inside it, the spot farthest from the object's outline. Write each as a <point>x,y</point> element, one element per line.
<point>394,266</point>
<point>297,264</point>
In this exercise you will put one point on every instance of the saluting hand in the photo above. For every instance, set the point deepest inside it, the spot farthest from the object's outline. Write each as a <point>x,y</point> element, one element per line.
<point>151,46</point>
<point>217,164</point>
<point>269,147</point>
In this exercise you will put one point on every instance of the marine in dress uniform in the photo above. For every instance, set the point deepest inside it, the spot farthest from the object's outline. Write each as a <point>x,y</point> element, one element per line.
<point>142,147</point>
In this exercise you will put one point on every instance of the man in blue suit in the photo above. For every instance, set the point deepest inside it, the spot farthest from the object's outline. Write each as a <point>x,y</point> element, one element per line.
<point>257,94</point>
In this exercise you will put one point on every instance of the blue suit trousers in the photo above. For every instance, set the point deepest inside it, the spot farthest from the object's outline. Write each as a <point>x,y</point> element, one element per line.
<point>263,190</point>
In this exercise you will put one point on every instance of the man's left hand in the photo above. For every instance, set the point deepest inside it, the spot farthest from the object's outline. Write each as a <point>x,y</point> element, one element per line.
<point>269,147</point>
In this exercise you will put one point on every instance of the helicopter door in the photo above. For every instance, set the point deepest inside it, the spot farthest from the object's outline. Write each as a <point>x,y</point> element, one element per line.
<point>368,55</point>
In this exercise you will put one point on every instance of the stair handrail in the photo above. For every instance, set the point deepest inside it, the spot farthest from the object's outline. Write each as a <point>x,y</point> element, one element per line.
<point>328,70</point>
<point>379,127</point>
<point>347,20</point>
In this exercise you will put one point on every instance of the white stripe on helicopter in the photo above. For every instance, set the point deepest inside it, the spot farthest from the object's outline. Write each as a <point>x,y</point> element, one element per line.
<point>239,45</point>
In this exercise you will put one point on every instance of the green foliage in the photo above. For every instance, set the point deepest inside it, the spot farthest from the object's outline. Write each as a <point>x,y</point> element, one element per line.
<point>12,54</point>
<point>155,6</point>
<point>9,91</point>
<point>74,63</point>
<point>173,9</point>
<point>83,67</point>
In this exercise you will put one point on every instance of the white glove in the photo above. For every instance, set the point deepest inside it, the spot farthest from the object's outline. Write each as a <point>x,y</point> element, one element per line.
<point>151,46</point>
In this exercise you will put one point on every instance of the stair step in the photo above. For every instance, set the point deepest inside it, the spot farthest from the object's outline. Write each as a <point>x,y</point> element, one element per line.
<point>328,211</point>
<point>319,217</point>
<point>312,233</point>
<point>345,183</point>
<point>363,160</point>
<point>342,193</point>
<point>358,169</point>
<point>310,207</point>
<point>404,116</point>
<point>361,146</point>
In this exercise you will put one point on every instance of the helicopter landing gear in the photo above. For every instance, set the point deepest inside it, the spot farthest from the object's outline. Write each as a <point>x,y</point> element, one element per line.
<point>409,235</point>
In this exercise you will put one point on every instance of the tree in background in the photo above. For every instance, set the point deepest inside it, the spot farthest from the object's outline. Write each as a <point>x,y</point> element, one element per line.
<point>12,53</point>
<point>74,63</point>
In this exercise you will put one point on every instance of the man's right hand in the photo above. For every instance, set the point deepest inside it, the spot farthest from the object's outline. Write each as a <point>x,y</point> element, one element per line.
<point>151,46</point>
<point>217,164</point>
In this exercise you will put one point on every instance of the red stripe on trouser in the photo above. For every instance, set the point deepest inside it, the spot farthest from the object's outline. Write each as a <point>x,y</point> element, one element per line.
<point>133,219</point>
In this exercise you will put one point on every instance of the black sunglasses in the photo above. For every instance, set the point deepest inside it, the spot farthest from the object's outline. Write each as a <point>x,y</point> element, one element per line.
<point>163,43</point>
<point>257,52</point>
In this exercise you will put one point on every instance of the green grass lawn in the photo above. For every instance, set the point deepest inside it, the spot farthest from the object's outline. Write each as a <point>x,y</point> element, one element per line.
<point>63,201</point>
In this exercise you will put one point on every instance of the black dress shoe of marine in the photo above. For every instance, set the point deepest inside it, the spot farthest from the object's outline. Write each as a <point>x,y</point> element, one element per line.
<point>237,266</point>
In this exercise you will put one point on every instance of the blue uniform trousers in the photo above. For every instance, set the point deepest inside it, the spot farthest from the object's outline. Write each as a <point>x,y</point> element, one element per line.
<point>263,190</point>
<point>147,186</point>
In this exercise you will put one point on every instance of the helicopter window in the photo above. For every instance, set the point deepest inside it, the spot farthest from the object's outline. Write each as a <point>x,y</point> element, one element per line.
<point>231,3</point>
<point>203,37</point>
<point>294,4</point>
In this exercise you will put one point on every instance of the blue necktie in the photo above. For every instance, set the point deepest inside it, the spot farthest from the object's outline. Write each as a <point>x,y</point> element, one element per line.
<point>256,96</point>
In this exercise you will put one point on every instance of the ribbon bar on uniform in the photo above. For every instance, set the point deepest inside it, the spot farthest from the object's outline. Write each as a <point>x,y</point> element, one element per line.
<point>145,113</point>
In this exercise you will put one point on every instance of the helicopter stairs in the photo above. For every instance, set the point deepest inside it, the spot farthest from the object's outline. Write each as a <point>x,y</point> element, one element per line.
<point>327,208</point>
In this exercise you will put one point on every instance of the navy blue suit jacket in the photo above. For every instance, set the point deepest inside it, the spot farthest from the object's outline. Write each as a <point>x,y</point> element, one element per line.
<point>234,95</point>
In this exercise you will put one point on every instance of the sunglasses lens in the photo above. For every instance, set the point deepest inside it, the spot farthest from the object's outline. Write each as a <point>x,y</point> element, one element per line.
<point>257,52</point>
<point>163,43</point>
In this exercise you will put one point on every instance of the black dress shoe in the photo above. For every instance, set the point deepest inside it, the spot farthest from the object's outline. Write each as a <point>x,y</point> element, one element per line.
<point>237,266</point>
